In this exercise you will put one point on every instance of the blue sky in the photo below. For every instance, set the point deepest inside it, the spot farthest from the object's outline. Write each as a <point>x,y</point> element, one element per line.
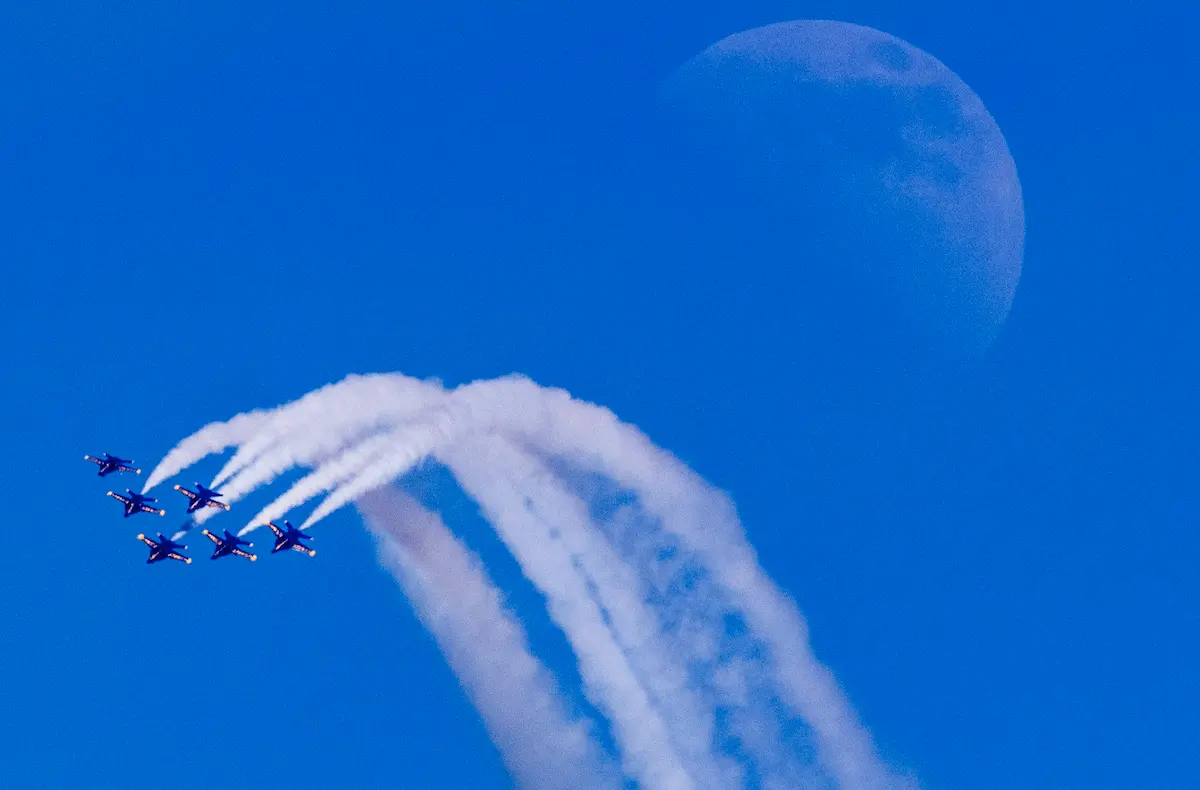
<point>212,210</point>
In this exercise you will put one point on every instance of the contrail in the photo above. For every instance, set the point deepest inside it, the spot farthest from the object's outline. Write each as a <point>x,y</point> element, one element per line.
<point>706,518</point>
<point>543,746</point>
<point>305,450</point>
<point>364,402</point>
<point>689,701</point>
<point>213,438</point>
<point>691,730</point>
<point>561,585</point>
<point>610,681</point>
<point>492,469</point>
<point>323,479</point>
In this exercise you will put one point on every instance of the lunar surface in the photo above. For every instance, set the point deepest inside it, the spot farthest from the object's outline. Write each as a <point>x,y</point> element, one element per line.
<point>876,169</point>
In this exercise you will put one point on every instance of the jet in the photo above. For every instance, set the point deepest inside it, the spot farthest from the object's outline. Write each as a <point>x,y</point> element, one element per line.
<point>136,503</point>
<point>202,497</point>
<point>164,549</point>
<point>229,545</point>
<point>290,538</point>
<point>111,463</point>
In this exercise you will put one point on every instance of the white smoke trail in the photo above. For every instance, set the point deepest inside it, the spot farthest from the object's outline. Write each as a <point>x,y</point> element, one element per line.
<point>255,431</point>
<point>210,439</point>
<point>438,421</point>
<point>552,424</point>
<point>326,476</point>
<point>363,402</point>
<point>307,450</point>
<point>687,506</point>
<point>609,680</point>
<point>421,441</point>
<point>648,751</point>
<point>501,471</point>
<point>543,746</point>
<point>662,678</point>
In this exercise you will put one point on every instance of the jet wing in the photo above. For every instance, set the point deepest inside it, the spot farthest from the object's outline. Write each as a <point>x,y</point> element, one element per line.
<point>147,541</point>
<point>300,547</point>
<point>212,537</point>
<point>123,468</point>
<point>177,556</point>
<point>118,497</point>
<point>246,554</point>
<point>215,503</point>
<point>279,533</point>
<point>149,509</point>
<point>185,492</point>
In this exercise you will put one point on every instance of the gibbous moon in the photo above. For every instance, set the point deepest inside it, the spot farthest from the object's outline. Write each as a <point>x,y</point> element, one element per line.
<point>864,139</point>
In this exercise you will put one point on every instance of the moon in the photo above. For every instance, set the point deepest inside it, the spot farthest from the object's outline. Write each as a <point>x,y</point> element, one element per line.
<point>886,173</point>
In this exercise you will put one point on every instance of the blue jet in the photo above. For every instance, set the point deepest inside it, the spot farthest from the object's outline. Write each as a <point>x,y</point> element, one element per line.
<point>229,545</point>
<point>202,497</point>
<point>136,503</point>
<point>111,463</point>
<point>164,549</point>
<point>290,538</point>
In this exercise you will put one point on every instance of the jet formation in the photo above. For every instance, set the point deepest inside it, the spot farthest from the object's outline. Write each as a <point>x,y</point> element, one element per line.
<point>286,537</point>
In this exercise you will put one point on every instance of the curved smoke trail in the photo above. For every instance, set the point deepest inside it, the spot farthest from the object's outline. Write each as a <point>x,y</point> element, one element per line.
<point>700,664</point>
<point>544,746</point>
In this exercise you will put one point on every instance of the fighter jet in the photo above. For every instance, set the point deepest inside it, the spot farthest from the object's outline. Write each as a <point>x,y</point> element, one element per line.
<point>136,503</point>
<point>290,538</point>
<point>111,463</point>
<point>202,497</point>
<point>229,545</point>
<point>164,549</point>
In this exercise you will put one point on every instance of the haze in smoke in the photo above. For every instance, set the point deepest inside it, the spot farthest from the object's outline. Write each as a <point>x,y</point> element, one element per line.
<point>699,663</point>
